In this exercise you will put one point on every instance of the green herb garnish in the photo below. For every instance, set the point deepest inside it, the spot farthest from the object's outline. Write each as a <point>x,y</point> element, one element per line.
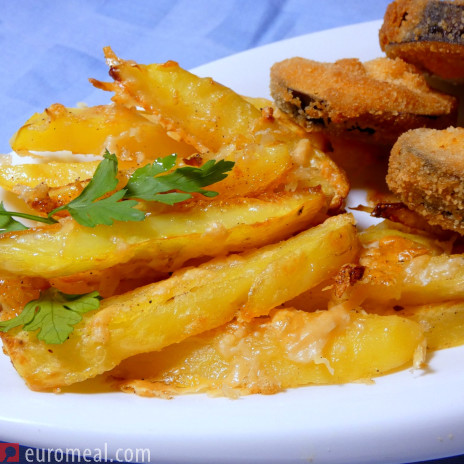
<point>147,184</point>
<point>152,182</point>
<point>90,209</point>
<point>54,314</point>
<point>7,223</point>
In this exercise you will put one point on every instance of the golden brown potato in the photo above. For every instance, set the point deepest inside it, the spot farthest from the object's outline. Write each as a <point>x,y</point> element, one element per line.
<point>92,130</point>
<point>164,241</point>
<point>412,238</point>
<point>258,169</point>
<point>201,111</point>
<point>288,349</point>
<point>52,175</point>
<point>443,323</point>
<point>190,302</point>
<point>401,269</point>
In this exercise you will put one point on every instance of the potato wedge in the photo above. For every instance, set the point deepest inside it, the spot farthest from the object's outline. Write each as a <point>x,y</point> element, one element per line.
<point>429,279</point>
<point>201,111</point>
<point>266,355</point>
<point>417,238</point>
<point>190,302</point>
<point>163,241</point>
<point>14,178</point>
<point>404,269</point>
<point>443,323</point>
<point>92,130</point>
<point>258,169</point>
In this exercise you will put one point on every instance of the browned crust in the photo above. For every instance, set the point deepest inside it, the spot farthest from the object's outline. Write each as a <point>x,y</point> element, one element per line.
<point>400,213</point>
<point>427,33</point>
<point>374,101</point>
<point>426,170</point>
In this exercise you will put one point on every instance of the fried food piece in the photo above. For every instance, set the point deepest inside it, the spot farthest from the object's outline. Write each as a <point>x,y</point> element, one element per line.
<point>374,101</point>
<point>436,244</point>
<point>15,292</point>
<point>15,178</point>
<point>198,110</point>
<point>426,170</point>
<point>426,33</point>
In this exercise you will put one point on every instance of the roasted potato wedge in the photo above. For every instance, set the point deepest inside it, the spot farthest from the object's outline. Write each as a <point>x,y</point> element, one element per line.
<point>403,269</point>
<point>14,177</point>
<point>164,241</point>
<point>289,348</point>
<point>407,238</point>
<point>190,302</point>
<point>443,323</point>
<point>92,130</point>
<point>257,169</point>
<point>428,279</point>
<point>53,175</point>
<point>201,111</point>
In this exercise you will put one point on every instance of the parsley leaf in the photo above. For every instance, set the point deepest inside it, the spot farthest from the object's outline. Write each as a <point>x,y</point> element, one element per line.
<point>105,211</point>
<point>7,223</point>
<point>54,314</point>
<point>89,211</point>
<point>146,183</point>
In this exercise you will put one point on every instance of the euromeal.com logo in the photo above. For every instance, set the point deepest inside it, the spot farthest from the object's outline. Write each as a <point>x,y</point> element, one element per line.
<point>9,452</point>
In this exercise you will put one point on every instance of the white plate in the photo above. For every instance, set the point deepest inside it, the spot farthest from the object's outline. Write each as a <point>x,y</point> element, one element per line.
<point>404,417</point>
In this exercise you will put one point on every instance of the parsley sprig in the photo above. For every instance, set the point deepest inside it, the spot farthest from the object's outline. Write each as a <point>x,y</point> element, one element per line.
<point>90,209</point>
<point>54,314</point>
<point>146,183</point>
<point>96,205</point>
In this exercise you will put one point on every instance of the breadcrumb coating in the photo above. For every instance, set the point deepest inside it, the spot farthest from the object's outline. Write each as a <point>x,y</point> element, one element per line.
<point>427,33</point>
<point>426,170</point>
<point>375,101</point>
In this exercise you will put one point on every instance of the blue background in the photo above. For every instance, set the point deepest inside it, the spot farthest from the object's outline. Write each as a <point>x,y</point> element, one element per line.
<point>49,48</point>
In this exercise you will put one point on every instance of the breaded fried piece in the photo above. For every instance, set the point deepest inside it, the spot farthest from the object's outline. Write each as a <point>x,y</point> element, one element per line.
<point>426,170</point>
<point>427,33</point>
<point>374,101</point>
